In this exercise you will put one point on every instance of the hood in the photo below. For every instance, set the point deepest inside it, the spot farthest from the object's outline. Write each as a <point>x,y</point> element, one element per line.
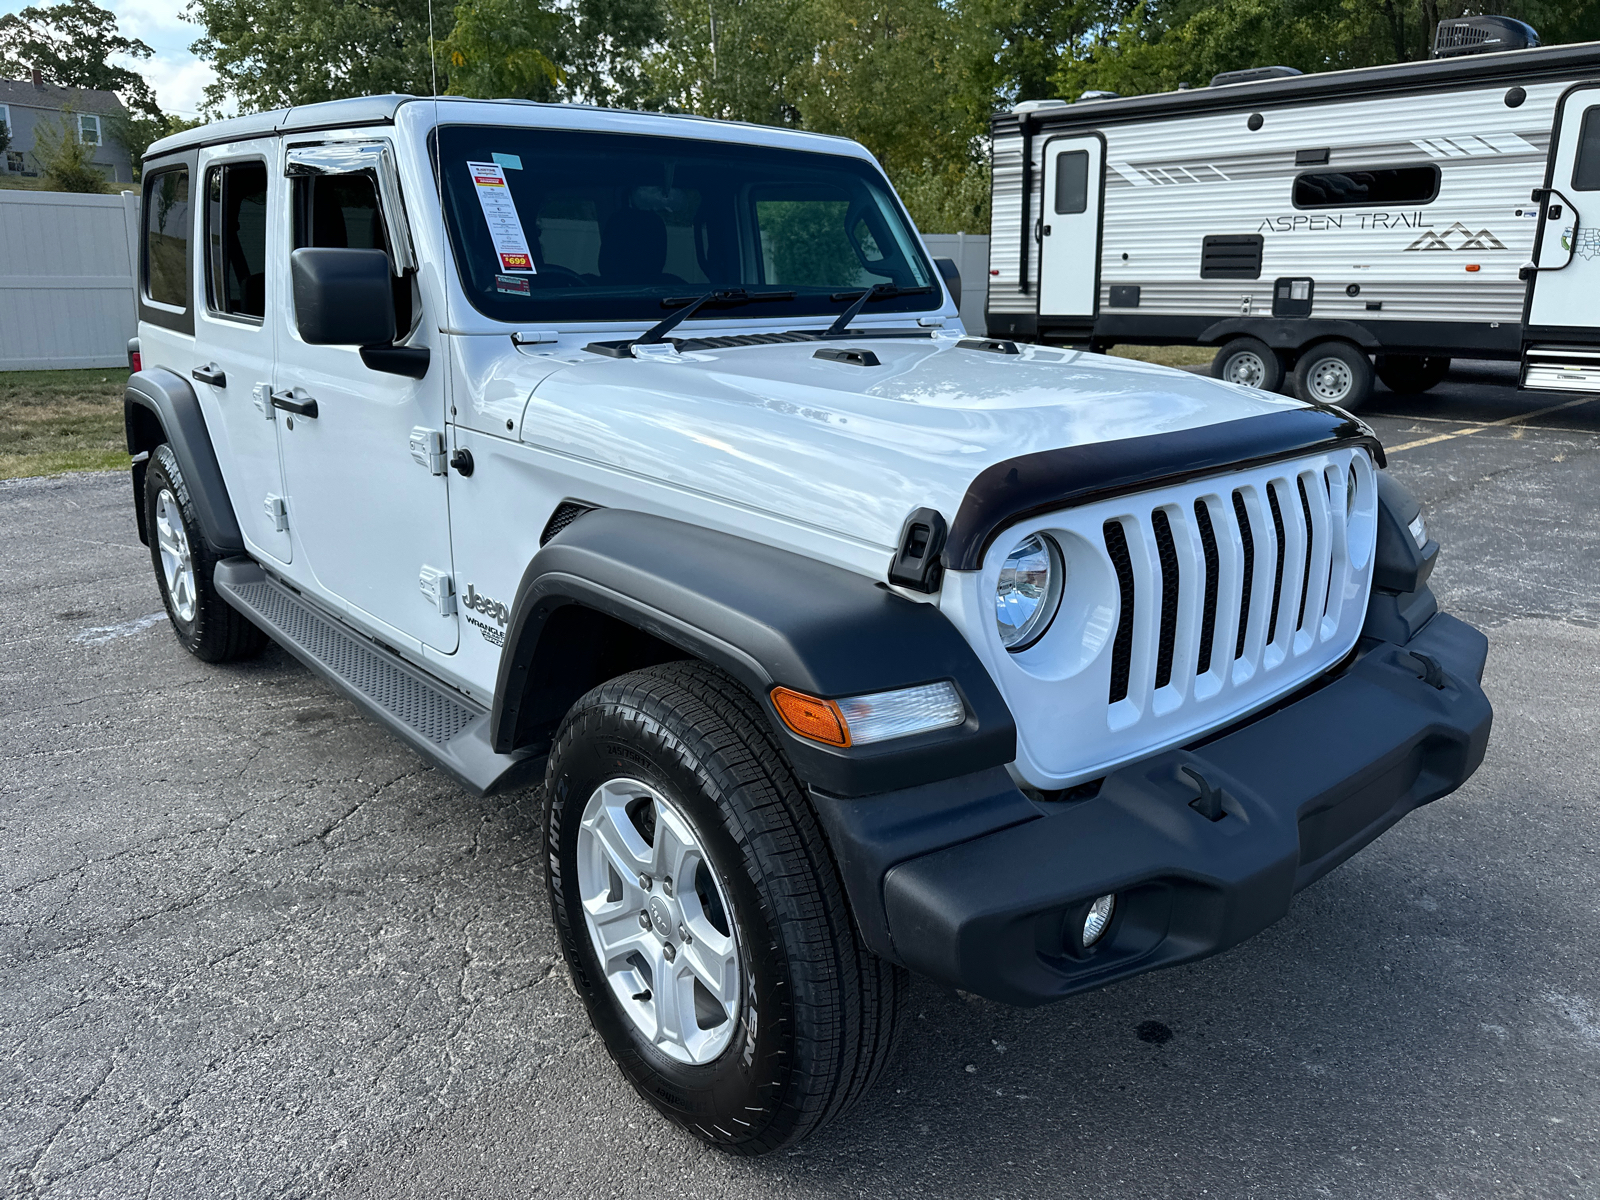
<point>850,449</point>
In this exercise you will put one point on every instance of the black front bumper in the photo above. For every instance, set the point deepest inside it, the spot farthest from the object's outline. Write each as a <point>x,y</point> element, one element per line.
<point>973,884</point>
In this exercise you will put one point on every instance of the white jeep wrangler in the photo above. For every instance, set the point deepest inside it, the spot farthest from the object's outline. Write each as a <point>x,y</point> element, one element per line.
<point>646,455</point>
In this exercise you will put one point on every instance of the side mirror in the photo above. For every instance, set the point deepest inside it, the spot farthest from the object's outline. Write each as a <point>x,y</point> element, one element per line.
<point>951,274</point>
<point>343,297</point>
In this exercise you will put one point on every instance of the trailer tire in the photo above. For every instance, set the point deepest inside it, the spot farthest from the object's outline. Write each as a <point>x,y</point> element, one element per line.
<point>1336,373</point>
<point>1412,374</point>
<point>1249,361</point>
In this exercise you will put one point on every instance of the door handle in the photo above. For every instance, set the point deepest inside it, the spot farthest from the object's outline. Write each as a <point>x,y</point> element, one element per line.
<point>212,374</point>
<point>300,408</point>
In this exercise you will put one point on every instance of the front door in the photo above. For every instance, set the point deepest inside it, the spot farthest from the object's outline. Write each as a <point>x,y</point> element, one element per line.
<point>242,201</point>
<point>1069,227</point>
<point>370,519</point>
<point>1564,291</point>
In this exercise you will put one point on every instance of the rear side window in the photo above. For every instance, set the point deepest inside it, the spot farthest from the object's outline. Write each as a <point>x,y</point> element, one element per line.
<point>236,239</point>
<point>1381,186</point>
<point>166,238</point>
<point>1586,168</point>
<point>1072,181</point>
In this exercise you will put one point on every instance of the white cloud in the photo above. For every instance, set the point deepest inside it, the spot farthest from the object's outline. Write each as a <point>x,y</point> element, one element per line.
<point>178,82</point>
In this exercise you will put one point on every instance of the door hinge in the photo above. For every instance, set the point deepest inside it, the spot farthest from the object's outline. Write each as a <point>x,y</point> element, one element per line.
<point>440,590</point>
<point>277,509</point>
<point>261,397</point>
<point>427,448</point>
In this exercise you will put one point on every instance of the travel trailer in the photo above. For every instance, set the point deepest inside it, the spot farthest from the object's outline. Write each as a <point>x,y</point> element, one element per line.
<point>1302,224</point>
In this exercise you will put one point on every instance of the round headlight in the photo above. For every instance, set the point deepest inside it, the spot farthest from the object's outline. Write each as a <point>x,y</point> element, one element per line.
<point>1029,592</point>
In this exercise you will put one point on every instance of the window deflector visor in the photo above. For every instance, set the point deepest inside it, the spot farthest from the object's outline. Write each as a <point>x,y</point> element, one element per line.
<point>374,159</point>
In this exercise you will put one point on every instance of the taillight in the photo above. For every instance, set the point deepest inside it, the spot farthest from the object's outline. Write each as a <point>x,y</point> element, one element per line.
<point>135,361</point>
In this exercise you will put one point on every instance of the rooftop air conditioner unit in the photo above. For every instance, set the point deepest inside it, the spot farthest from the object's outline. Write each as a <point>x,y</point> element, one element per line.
<point>1252,75</point>
<point>1482,35</point>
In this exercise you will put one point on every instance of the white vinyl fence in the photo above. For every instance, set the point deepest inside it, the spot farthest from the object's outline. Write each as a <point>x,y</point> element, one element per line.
<point>971,254</point>
<point>67,269</point>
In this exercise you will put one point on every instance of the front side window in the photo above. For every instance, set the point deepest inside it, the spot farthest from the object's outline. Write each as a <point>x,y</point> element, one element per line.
<point>1378,188</point>
<point>166,237</point>
<point>236,240</point>
<point>89,130</point>
<point>572,226</point>
<point>343,212</point>
<point>1586,167</point>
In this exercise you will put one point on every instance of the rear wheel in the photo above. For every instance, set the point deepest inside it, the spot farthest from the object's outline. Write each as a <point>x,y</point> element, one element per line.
<point>1411,374</point>
<point>702,917</point>
<point>1249,361</point>
<point>206,625</point>
<point>1334,373</point>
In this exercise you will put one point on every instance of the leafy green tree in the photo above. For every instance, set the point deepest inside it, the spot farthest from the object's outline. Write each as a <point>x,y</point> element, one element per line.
<point>64,158</point>
<point>137,132</point>
<point>502,48</point>
<point>72,44</point>
<point>275,53</point>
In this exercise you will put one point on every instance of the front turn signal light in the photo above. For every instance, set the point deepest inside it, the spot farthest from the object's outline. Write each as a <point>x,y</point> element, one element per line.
<point>819,720</point>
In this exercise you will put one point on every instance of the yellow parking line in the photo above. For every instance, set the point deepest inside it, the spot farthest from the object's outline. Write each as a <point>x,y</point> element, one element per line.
<point>1445,437</point>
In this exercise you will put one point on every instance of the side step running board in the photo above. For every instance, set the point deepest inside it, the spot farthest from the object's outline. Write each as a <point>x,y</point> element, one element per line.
<point>438,723</point>
<point>1561,369</point>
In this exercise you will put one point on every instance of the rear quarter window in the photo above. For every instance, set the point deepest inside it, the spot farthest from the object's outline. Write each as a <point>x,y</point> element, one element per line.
<point>166,237</point>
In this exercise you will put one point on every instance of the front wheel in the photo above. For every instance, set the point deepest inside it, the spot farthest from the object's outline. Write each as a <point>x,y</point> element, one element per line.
<point>702,917</point>
<point>1334,373</point>
<point>1249,361</point>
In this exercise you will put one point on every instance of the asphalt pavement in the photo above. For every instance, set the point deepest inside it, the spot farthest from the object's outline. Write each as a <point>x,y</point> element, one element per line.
<point>250,945</point>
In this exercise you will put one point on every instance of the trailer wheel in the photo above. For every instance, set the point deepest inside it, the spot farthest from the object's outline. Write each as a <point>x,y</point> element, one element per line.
<point>1334,373</point>
<point>1249,361</point>
<point>1412,374</point>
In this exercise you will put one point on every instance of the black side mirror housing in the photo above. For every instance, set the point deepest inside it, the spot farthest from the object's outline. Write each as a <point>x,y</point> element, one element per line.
<point>343,297</point>
<point>951,274</point>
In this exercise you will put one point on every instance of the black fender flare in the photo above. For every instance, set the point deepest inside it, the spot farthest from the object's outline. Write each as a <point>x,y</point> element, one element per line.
<point>170,400</point>
<point>1288,334</point>
<point>769,617</point>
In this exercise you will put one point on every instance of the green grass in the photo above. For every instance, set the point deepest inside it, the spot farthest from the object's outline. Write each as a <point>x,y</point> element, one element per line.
<point>55,421</point>
<point>1169,356</point>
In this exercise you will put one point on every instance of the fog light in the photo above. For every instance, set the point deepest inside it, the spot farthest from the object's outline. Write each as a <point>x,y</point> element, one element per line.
<point>1099,917</point>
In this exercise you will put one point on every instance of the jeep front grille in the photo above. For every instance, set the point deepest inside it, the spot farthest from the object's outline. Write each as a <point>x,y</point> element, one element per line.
<point>1185,608</point>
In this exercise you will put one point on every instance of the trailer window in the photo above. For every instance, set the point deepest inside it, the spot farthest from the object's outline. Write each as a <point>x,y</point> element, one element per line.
<point>1586,169</point>
<point>1382,186</point>
<point>1072,181</point>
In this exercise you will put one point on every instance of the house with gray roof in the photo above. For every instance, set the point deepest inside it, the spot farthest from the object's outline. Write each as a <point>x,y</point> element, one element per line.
<point>26,104</point>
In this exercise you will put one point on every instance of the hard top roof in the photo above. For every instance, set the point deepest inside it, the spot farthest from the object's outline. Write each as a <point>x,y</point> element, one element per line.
<point>1510,66</point>
<point>381,110</point>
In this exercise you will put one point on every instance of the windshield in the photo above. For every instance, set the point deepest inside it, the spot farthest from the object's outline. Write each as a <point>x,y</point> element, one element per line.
<point>551,225</point>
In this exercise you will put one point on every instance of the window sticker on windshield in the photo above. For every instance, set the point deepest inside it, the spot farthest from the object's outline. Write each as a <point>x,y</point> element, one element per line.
<point>500,213</point>
<point>511,162</point>
<point>512,285</point>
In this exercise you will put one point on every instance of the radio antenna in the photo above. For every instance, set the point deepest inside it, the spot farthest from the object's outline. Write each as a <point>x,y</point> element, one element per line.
<point>433,61</point>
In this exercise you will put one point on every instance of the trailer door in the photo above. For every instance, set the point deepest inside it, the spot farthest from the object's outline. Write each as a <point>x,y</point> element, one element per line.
<point>1561,334</point>
<point>1069,227</point>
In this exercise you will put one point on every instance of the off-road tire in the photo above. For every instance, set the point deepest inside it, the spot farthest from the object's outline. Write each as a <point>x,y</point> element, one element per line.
<point>1249,361</point>
<point>216,632</point>
<point>1327,363</point>
<point>1411,374</point>
<point>820,1012</point>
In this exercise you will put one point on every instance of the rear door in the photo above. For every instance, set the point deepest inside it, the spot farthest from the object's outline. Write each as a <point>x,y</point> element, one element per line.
<point>242,202</point>
<point>1561,332</point>
<point>1069,226</point>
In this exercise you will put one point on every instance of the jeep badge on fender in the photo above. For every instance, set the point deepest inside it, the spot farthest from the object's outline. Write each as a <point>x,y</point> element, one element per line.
<point>838,645</point>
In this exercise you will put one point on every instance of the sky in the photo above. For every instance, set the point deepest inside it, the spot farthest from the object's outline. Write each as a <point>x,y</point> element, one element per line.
<point>179,78</point>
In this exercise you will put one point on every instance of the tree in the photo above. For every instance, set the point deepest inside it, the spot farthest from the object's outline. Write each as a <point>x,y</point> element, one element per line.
<point>136,133</point>
<point>277,53</point>
<point>72,44</point>
<point>65,159</point>
<point>502,48</point>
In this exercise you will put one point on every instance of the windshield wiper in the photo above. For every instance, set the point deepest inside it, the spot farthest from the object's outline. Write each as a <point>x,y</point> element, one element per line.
<point>721,298</point>
<point>878,291</point>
